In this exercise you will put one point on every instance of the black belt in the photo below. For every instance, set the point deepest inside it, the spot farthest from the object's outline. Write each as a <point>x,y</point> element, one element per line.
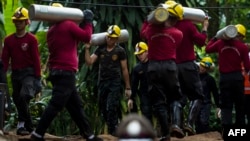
<point>28,69</point>
<point>61,72</point>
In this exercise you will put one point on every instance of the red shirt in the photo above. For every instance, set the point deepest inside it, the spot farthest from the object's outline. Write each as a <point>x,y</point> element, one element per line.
<point>162,41</point>
<point>21,52</point>
<point>191,37</point>
<point>231,53</point>
<point>62,39</point>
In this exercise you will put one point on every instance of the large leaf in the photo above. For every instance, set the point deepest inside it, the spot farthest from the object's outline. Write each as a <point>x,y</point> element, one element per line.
<point>2,29</point>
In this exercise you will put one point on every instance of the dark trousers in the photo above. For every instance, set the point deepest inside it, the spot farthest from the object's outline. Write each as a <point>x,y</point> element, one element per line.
<point>23,92</point>
<point>202,121</point>
<point>109,102</point>
<point>64,94</point>
<point>247,108</point>
<point>164,88</point>
<point>232,96</point>
<point>146,106</point>
<point>190,83</point>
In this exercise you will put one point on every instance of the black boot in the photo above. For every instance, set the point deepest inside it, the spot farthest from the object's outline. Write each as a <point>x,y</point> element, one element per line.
<point>192,115</point>
<point>176,110</point>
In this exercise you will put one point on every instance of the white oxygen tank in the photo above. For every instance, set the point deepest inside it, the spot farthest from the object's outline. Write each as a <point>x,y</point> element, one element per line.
<point>194,14</point>
<point>100,38</point>
<point>227,32</point>
<point>54,14</point>
<point>158,16</point>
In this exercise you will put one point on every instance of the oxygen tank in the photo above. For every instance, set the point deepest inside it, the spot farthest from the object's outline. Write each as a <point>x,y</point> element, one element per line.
<point>194,14</point>
<point>227,32</point>
<point>158,16</point>
<point>100,38</point>
<point>54,14</point>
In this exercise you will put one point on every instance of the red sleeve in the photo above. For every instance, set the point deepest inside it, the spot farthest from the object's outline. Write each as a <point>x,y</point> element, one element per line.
<point>5,56</point>
<point>36,57</point>
<point>213,45</point>
<point>199,39</point>
<point>246,60</point>
<point>144,30</point>
<point>82,33</point>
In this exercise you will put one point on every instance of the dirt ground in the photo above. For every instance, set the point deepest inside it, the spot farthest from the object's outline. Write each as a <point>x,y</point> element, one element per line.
<point>210,136</point>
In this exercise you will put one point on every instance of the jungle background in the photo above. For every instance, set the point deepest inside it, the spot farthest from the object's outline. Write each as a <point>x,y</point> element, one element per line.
<point>128,14</point>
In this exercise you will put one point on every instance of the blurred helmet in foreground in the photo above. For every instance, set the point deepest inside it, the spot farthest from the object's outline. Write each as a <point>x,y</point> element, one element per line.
<point>135,127</point>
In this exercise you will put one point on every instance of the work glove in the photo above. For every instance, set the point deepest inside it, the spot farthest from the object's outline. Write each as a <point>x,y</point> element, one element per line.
<point>215,38</point>
<point>88,15</point>
<point>130,105</point>
<point>37,85</point>
<point>128,93</point>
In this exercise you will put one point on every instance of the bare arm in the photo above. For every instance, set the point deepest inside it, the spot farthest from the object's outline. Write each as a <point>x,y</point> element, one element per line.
<point>89,59</point>
<point>205,25</point>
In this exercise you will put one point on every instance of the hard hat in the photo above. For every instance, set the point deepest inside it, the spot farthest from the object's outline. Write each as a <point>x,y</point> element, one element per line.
<point>57,4</point>
<point>170,2</point>
<point>175,9</point>
<point>140,48</point>
<point>21,13</point>
<point>206,62</point>
<point>114,31</point>
<point>241,29</point>
<point>136,127</point>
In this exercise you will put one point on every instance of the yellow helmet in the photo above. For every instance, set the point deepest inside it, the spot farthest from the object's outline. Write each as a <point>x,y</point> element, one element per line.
<point>170,2</point>
<point>114,31</point>
<point>175,9</point>
<point>21,13</point>
<point>241,29</point>
<point>206,62</point>
<point>140,48</point>
<point>57,4</point>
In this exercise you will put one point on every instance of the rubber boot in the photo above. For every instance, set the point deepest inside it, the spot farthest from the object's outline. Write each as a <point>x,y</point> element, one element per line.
<point>192,115</point>
<point>176,110</point>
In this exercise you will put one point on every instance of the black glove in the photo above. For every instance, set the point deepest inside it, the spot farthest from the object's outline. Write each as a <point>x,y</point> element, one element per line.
<point>214,39</point>
<point>88,15</point>
<point>37,85</point>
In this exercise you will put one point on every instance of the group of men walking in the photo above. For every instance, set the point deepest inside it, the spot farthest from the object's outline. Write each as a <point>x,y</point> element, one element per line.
<point>167,75</point>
